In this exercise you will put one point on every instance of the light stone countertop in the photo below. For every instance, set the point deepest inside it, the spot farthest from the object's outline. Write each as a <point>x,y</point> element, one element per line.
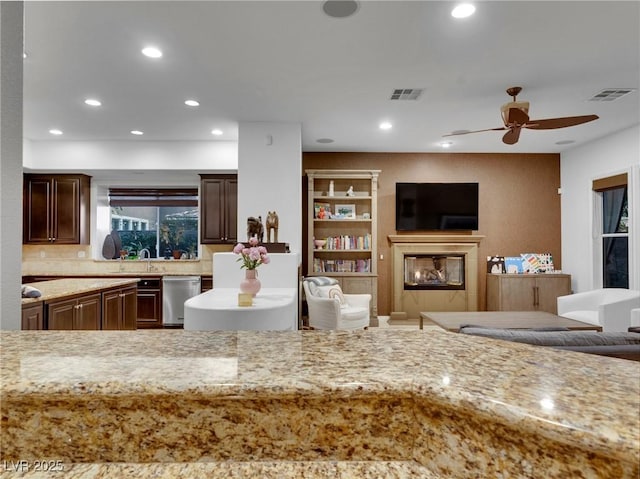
<point>457,405</point>
<point>59,288</point>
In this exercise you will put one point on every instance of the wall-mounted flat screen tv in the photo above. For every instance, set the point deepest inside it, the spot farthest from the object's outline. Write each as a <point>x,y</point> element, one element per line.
<point>436,206</point>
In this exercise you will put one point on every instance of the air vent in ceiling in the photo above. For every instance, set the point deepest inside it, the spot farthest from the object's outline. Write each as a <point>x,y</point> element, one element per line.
<point>406,93</point>
<point>611,94</point>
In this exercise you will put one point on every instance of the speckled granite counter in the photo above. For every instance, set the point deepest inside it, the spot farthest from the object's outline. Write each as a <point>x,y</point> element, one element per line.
<point>60,288</point>
<point>454,405</point>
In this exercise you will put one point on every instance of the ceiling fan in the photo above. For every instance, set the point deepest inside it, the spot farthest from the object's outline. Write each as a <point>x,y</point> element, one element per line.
<point>515,116</point>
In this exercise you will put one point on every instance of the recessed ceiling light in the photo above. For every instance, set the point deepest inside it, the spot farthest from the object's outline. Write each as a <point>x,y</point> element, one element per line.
<point>216,132</point>
<point>340,8</point>
<point>324,140</point>
<point>385,125</point>
<point>191,103</point>
<point>55,131</point>
<point>137,132</point>
<point>463,10</point>
<point>24,54</point>
<point>93,102</point>
<point>446,144</point>
<point>152,52</point>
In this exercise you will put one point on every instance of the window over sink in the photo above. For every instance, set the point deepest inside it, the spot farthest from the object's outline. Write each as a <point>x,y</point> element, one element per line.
<point>162,222</point>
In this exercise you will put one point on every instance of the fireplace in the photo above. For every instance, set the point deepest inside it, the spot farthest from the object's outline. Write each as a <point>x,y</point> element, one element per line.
<point>434,273</point>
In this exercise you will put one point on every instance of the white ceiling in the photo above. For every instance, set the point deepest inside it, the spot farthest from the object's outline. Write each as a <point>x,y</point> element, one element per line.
<point>287,61</point>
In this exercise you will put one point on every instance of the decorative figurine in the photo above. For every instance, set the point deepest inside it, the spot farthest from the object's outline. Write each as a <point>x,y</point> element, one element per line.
<point>350,191</point>
<point>272,225</point>
<point>255,228</point>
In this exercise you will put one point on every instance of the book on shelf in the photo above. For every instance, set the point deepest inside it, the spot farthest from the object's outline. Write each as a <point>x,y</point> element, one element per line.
<point>348,242</point>
<point>341,265</point>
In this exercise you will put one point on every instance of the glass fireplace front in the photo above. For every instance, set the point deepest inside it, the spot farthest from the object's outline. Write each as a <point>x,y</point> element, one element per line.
<point>434,271</point>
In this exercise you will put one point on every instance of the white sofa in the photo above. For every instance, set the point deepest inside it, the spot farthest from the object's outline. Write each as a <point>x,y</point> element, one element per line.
<point>330,308</point>
<point>607,307</point>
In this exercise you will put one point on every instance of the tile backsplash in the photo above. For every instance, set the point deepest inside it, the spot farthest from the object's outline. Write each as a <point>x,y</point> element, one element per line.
<point>76,260</point>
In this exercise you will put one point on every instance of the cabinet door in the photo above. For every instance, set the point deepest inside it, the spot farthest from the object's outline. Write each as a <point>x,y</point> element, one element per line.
<point>231,211</point>
<point>61,314</point>
<point>212,226</point>
<point>149,304</point>
<point>218,209</point>
<point>111,310</point>
<point>129,308</point>
<point>33,317</point>
<point>65,210</point>
<point>37,211</point>
<point>549,288</point>
<point>89,312</point>
<point>517,294</point>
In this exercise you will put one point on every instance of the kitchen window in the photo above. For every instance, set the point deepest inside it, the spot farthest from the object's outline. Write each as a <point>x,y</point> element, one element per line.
<point>160,221</point>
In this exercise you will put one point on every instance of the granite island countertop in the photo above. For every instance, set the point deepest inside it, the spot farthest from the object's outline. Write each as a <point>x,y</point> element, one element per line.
<point>436,403</point>
<point>60,288</point>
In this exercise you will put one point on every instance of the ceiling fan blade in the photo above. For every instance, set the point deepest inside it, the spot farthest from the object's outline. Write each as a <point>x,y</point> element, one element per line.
<point>511,137</point>
<point>516,115</point>
<point>552,123</point>
<point>475,131</point>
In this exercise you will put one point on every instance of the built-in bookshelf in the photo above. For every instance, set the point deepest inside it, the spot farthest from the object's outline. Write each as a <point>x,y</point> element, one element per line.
<point>342,231</point>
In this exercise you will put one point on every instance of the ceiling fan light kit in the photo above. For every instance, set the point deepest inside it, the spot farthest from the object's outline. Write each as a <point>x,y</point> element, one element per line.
<point>515,116</point>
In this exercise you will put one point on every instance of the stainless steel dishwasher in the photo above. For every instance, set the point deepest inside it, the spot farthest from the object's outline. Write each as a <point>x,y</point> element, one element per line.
<point>175,291</point>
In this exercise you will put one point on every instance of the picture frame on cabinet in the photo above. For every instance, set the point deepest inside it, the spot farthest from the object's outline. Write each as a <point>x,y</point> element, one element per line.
<point>347,212</point>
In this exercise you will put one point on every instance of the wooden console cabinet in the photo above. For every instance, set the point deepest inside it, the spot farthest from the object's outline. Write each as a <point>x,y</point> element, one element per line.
<point>526,292</point>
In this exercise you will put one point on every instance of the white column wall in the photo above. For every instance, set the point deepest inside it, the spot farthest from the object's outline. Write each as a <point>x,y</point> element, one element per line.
<point>11,31</point>
<point>617,153</point>
<point>270,177</point>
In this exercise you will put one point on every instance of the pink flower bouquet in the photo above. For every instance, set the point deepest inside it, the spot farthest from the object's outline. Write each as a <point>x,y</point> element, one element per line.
<point>252,256</point>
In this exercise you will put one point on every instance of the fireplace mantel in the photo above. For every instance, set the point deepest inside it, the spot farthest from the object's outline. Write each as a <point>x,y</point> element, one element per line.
<point>409,303</point>
<point>435,238</point>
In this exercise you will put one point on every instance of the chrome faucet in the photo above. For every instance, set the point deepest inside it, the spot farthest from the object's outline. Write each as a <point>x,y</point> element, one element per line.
<point>144,254</point>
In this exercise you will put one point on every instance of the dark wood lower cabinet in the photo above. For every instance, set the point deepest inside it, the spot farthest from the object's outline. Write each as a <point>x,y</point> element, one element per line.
<point>119,308</point>
<point>149,303</point>
<point>33,317</point>
<point>83,312</point>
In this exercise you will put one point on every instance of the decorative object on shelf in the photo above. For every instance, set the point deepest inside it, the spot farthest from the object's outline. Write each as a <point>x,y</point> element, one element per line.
<point>321,211</point>
<point>495,264</point>
<point>272,225</point>
<point>331,188</point>
<point>319,243</point>
<point>347,212</point>
<point>251,257</point>
<point>350,191</point>
<point>255,229</point>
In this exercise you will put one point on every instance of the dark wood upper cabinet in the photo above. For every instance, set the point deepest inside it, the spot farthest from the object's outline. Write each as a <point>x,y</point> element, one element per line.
<point>218,209</point>
<point>56,209</point>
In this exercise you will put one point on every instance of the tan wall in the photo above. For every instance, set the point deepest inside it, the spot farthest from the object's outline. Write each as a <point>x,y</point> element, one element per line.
<point>519,210</point>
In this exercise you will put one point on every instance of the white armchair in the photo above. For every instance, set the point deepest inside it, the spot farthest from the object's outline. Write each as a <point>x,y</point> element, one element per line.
<point>607,307</point>
<point>330,308</point>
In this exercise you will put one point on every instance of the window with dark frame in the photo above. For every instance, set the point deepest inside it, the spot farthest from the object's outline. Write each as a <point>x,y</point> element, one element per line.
<point>160,221</point>
<point>615,230</point>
